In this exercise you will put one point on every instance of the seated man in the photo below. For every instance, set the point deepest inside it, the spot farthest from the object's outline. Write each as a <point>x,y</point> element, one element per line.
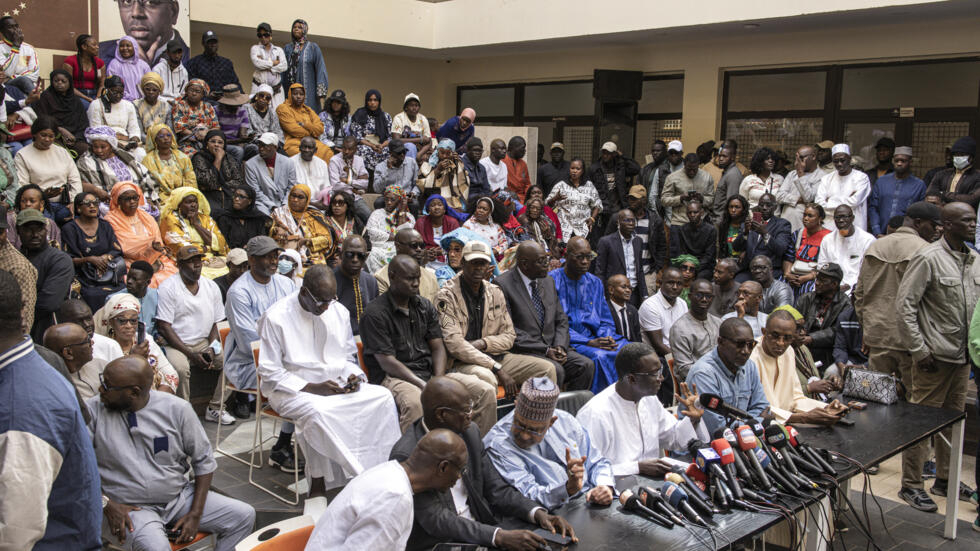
<point>747,307</point>
<point>146,442</point>
<point>590,325</point>
<point>394,171</point>
<point>469,513</point>
<point>477,329</point>
<point>313,172</point>
<point>476,173</point>
<point>626,316</point>
<point>775,293</point>
<point>237,262</point>
<point>410,242</point>
<point>540,323</point>
<point>546,453</point>
<point>55,270</point>
<point>697,237</point>
<point>403,347</point>
<point>622,253</point>
<point>270,174</point>
<point>806,368</point>
<point>630,426</point>
<point>725,287</point>
<point>347,173</point>
<point>355,287</point>
<point>73,345</point>
<point>694,334</point>
<point>375,510</point>
<point>77,311</point>
<point>728,372</point>
<point>849,347</point>
<point>820,308</point>
<point>845,246</point>
<point>776,363</point>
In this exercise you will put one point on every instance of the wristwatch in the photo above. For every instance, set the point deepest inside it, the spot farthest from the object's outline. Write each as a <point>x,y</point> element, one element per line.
<point>105,501</point>
<point>496,368</point>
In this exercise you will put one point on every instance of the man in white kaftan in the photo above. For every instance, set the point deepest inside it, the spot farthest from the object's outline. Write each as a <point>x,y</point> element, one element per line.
<point>844,186</point>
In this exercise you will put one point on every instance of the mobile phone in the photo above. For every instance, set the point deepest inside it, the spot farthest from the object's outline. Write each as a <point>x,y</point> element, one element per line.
<point>757,216</point>
<point>207,357</point>
<point>558,539</point>
<point>859,406</point>
<point>172,534</point>
<point>140,332</point>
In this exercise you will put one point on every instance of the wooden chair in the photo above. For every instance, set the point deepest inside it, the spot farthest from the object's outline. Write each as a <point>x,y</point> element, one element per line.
<point>263,409</point>
<point>227,387</point>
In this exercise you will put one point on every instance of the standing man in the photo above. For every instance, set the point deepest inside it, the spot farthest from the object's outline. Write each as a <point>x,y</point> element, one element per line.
<point>496,169</point>
<point>622,253</point>
<point>884,152</point>
<point>611,175</point>
<point>355,287</point>
<point>171,69</point>
<point>693,334</point>
<point>540,323</point>
<point>43,439</point>
<point>961,182</point>
<point>725,287</point>
<point>476,173</point>
<point>686,185</point>
<point>893,192</point>
<point>653,174</point>
<point>775,293</point>
<point>153,26</point>
<point>18,59</point>
<point>729,181</point>
<point>518,179</point>
<point>825,155</point>
<point>555,171</point>
<point>626,316</point>
<point>845,186</point>
<point>799,187</point>
<point>845,246</point>
<point>936,300</point>
<point>210,67</point>
<point>55,270</point>
<point>650,228</point>
<point>697,237</point>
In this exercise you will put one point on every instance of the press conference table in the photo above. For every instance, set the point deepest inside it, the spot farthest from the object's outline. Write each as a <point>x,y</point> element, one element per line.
<point>879,432</point>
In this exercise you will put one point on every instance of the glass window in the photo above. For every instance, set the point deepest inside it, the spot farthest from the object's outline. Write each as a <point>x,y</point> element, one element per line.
<point>912,86</point>
<point>555,100</point>
<point>662,96</point>
<point>489,102</point>
<point>775,92</point>
<point>929,143</point>
<point>782,134</point>
<point>649,130</point>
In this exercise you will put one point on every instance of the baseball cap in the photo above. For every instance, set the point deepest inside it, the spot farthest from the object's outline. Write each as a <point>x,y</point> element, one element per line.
<point>826,144</point>
<point>675,145</point>
<point>237,256</point>
<point>27,216</point>
<point>924,210</point>
<point>339,95</point>
<point>558,145</point>
<point>610,147</point>
<point>638,191</point>
<point>174,45</point>
<point>188,252</point>
<point>208,36</point>
<point>261,245</point>
<point>396,147</point>
<point>411,95</point>
<point>476,250</point>
<point>831,269</point>
<point>269,138</point>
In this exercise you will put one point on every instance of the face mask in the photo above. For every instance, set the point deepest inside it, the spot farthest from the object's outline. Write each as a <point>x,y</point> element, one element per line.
<point>961,162</point>
<point>285,267</point>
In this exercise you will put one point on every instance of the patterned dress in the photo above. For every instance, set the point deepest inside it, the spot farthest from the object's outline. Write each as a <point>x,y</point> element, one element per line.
<point>359,131</point>
<point>186,117</point>
<point>575,209</point>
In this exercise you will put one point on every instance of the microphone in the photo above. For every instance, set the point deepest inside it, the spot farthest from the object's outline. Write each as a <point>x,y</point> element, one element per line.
<point>770,469</point>
<point>727,457</point>
<point>706,458</point>
<point>677,497</point>
<point>729,437</point>
<point>704,504</point>
<point>777,440</point>
<point>811,452</point>
<point>801,481</point>
<point>747,443</point>
<point>716,404</point>
<point>696,480</point>
<point>633,505</point>
<point>655,500</point>
<point>790,450</point>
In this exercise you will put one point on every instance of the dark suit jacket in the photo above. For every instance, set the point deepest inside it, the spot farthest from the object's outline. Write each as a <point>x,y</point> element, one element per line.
<point>967,189</point>
<point>624,169</point>
<point>612,261</point>
<point>533,337</point>
<point>632,318</point>
<point>656,238</point>
<point>490,497</point>
<point>780,240</point>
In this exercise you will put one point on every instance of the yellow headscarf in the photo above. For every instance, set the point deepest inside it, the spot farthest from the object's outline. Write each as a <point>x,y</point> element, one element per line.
<point>181,193</point>
<point>155,78</point>
<point>309,196</point>
<point>151,136</point>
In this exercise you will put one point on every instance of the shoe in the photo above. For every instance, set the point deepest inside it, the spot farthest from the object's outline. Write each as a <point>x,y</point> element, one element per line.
<point>939,489</point>
<point>918,499</point>
<point>239,407</point>
<point>216,416</point>
<point>975,499</point>
<point>284,459</point>
<point>929,469</point>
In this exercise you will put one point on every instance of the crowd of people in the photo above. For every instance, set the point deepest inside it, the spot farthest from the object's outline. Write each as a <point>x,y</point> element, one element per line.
<point>143,206</point>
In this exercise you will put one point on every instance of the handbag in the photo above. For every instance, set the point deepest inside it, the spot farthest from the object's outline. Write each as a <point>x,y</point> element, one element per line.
<point>872,386</point>
<point>113,276</point>
<point>801,267</point>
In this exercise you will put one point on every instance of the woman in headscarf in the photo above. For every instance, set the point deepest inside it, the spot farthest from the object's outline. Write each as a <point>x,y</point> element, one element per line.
<point>412,128</point>
<point>688,264</point>
<point>270,62</point>
<point>446,175</point>
<point>296,225</point>
<point>537,192</point>
<point>95,251</point>
<point>291,266</point>
<point>539,227</point>
<point>437,219</point>
<point>336,120</point>
<point>299,121</point>
<point>483,224</point>
<point>242,221</point>
<point>306,65</point>
<point>32,197</point>
<point>372,128</point>
<point>193,117</point>
<point>128,66</point>
<point>383,224</point>
<point>217,173</point>
<point>138,232</point>
<point>186,220</point>
<point>112,110</point>
<point>119,320</point>
<point>341,218</point>
<point>261,116</point>
<point>86,68</point>
<point>60,102</point>
<point>104,164</point>
<point>169,166</point>
<point>151,108</point>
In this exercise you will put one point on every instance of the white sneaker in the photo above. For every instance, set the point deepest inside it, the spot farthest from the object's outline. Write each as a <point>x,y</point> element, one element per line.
<point>212,415</point>
<point>315,506</point>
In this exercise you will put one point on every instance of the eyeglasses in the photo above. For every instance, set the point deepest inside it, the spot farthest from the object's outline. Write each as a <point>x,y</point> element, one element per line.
<point>129,198</point>
<point>87,340</point>
<point>152,4</point>
<point>583,256</point>
<point>321,305</point>
<point>460,469</point>
<point>750,344</point>
<point>688,268</point>
<point>658,374</point>
<point>521,428</point>
<point>543,261</point>
<point>242,196</point>
<point>106,388</point>
<point>465,413</point>
<point>353,254</point>
<point>122,321</point>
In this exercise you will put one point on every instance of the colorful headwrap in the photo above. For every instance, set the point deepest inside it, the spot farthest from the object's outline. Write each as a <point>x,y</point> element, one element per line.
<point>103,133</point>
<point>461,216</point>
<point>199,82</point>
<point>178,195</point>
<point>792,311</point>
<point>444,143</point>
<point>396,190</point>
<point>114,306</point>
<point>680,259</point>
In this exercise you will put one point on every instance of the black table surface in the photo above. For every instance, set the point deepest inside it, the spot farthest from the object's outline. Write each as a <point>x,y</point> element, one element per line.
<point>879,432</point>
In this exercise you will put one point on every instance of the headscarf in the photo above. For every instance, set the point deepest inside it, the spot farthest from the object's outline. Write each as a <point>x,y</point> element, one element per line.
<point>204,86</point>
<point>103,133</point>
<point>114,306</point>
<point>362,114</point>
<point>66,108</point>
<point>680,259</point>
<point>461,216</point>
<point>797,316</point>
<point>309,195</point>
<point>130,70</point>
<point>289,96</point>
<point>151,137</point>
<point>264,88</point>
<point>178,195</point>
<point>251,211</point>
<point>306,29</point>
<point>151,77</point>
<point>206,153</point>
<point>398,192</point>
<point>444,143</point>
<point>111,82</point>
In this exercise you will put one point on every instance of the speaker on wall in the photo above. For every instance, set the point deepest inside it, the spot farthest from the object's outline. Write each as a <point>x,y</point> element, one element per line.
<point>622,85</point>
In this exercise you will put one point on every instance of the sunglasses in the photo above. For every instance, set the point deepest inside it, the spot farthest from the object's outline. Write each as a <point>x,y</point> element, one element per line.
<point>90,203</point>
<point>264,35</point>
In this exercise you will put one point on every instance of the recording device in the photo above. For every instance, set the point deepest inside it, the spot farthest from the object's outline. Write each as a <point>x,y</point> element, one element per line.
<point>811,453</point>
<point>694,494</point>
<point>715,403</point>
<point>655,500</point>
<point>740,467</point>
<point>140,332</point>
<point>633,505</point>
<point>557,539</point>
<point>727,457</point>
<point>677,498</point>
<point>747,443</point>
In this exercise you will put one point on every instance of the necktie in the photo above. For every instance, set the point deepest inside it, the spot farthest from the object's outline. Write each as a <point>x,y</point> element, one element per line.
<point>536,300</point>
<point>626,331</point>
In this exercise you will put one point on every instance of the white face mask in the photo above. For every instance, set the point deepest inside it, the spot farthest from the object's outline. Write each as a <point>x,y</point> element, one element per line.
<point>961,162</point>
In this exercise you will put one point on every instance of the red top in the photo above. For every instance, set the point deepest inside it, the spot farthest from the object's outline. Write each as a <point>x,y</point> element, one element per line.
<point>83,80</point>
<point>517,177</point>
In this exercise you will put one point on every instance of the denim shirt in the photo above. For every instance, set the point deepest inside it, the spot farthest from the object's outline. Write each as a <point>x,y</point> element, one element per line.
<point>742,390</point>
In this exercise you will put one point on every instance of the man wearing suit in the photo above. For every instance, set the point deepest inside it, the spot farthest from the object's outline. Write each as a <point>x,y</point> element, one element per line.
<point>470,510</point>
<point>622,253</point>
<point>542,330</point>
<point>626,316</point>
<point>771,237</point>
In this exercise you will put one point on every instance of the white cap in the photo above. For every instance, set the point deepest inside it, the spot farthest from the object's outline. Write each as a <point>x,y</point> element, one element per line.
<point>609,146</point>
<point>269,138</point>
<point>237,256</point>
<point>477,250</point>
<point>840,148</point>
<point>675,145</point>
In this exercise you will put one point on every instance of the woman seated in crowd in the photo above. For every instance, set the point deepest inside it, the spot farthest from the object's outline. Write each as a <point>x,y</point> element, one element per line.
<point>186,220</point>
<point>242,221</point>
<point>372,128</point>
<point>50,167</point>
<point>537,192</point>
<point>261,117</point>
<point>128,66</point>
<point>138,232</point>
<point>453,243</point>
<point>481,222</point>
<point>91,242</point>
<point>437,220</point>
<point>217,173</point>
<point>412,128</point>
<point>297,225</point>
<point>60,102</point>
<point>104,164</point>
<point>119,114</point>
<point>298,121</point>
<point>540,228</point>
<point>383,224</point>
<point>800,265</point>
<point>151,109</point>
<point>576,202</point>
<point>447,175</point>
<point>763,178</point>
<point>732,240</point>
<point>688,265</point>
<point>119,320</point>
<point>342,221</point>
<point>336,120</point>
<point>86,68</point>
<point>169,166</point>
<point>193,117</point>
<point>291,266</point>
<point>32,197</point>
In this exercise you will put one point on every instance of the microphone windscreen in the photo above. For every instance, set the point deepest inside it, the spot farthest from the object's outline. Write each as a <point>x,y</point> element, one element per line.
<point>793,436</point>
<point>625,496</point>
<point>724,450</point>
<point>775,435</point>
<point>674,494</point>
<point>763,457</point>
<point>694,473</point>
<point>674,477</point>
<point>711,401</point>
<point>746,438</point>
